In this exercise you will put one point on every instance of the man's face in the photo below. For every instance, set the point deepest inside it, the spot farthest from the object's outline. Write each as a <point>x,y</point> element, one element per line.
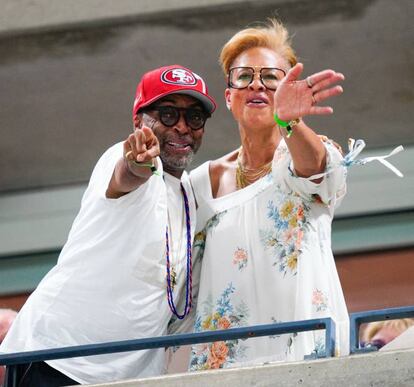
<point>178,143</point>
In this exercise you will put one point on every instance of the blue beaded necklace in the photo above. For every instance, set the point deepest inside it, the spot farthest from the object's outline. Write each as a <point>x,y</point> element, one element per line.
<point>189,285</point>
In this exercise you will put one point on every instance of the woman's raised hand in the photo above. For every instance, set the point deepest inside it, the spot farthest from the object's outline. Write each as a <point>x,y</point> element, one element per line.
<point>296,98</point>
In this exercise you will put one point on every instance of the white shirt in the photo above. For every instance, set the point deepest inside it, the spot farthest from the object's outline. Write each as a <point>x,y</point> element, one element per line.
<point>110,280</point>
<point>267,258</point>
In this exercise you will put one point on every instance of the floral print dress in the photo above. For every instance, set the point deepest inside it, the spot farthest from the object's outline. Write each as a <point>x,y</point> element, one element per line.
<point>267,258</point>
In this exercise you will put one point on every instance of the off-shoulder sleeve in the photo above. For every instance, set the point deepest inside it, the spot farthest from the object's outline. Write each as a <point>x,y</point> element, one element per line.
<point>329,191</point>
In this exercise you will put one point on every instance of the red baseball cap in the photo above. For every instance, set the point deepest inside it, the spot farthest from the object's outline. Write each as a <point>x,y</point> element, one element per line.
<point>174,79</point>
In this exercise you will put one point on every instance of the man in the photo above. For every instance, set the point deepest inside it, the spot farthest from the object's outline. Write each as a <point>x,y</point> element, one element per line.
<point>125,269</point>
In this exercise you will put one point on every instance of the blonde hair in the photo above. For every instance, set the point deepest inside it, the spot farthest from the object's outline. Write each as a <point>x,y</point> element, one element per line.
<point>272,35</point>
<point>373,328</point>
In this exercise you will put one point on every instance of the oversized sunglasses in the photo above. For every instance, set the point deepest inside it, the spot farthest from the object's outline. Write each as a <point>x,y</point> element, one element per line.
<point>242,77</point>
<point>170,115</point>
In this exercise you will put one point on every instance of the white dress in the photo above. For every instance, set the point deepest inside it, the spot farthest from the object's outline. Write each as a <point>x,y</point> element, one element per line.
<point>267,258</point>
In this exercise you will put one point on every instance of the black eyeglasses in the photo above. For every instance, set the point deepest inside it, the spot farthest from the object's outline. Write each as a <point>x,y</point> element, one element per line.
<point>242,77</point>
<point>170,115</point>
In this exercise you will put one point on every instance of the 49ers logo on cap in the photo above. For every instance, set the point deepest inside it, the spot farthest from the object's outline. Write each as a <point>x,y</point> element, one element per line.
<point>178,77</point>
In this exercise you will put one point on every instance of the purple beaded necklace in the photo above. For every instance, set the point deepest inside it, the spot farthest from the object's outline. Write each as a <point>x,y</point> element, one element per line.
<point>189,285</point>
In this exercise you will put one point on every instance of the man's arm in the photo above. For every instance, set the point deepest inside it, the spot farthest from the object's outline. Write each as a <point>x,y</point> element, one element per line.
<point>131,171</point>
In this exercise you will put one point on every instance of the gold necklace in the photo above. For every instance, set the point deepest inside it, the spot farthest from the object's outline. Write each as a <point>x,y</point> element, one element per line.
<point>246,176</point>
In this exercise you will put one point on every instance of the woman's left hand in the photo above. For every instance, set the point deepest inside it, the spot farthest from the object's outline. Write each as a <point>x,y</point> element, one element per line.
<point>298,98</point>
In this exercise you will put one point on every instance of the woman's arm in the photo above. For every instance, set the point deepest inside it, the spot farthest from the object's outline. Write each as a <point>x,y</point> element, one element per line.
<point>296,99</point>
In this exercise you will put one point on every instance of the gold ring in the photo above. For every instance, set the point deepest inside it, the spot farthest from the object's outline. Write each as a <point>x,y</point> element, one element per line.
<point>309,82</point>
<point>128,154</point>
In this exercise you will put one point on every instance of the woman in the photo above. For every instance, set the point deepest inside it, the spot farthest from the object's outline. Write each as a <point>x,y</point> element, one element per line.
<point>265,217</point>
<point>380,333</point>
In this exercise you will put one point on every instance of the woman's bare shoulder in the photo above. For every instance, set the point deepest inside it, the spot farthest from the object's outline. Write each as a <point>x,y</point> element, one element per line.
<point>223,163</point>
<point>221,169</point>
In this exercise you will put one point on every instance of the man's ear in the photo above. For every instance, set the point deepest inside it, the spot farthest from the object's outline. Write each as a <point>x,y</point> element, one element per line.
<point>227,98</point>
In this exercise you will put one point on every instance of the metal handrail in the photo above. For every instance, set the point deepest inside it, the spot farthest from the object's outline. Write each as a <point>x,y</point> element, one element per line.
<point>358,318</point>
<point>13,359</point>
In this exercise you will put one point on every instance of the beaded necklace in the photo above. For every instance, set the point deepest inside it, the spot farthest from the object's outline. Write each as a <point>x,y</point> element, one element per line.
<point>189,285</point>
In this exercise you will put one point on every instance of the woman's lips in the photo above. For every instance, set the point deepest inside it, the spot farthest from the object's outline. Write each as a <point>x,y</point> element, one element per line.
<point>257,101</point>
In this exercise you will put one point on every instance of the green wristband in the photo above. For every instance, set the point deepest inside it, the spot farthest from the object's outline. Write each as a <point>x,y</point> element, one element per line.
<point>284,124</point>
<point>278,121</point>
<point>150,166</point>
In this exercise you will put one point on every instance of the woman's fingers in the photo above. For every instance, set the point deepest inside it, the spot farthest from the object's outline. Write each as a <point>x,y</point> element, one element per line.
<point>324,82</point>
<point>294,73</point>
<point>298,98</point>
<point>322,89</point>
<point>321,76</point>
<point>328,93</point>
<point>321,96</point>
<point>320,110</point>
